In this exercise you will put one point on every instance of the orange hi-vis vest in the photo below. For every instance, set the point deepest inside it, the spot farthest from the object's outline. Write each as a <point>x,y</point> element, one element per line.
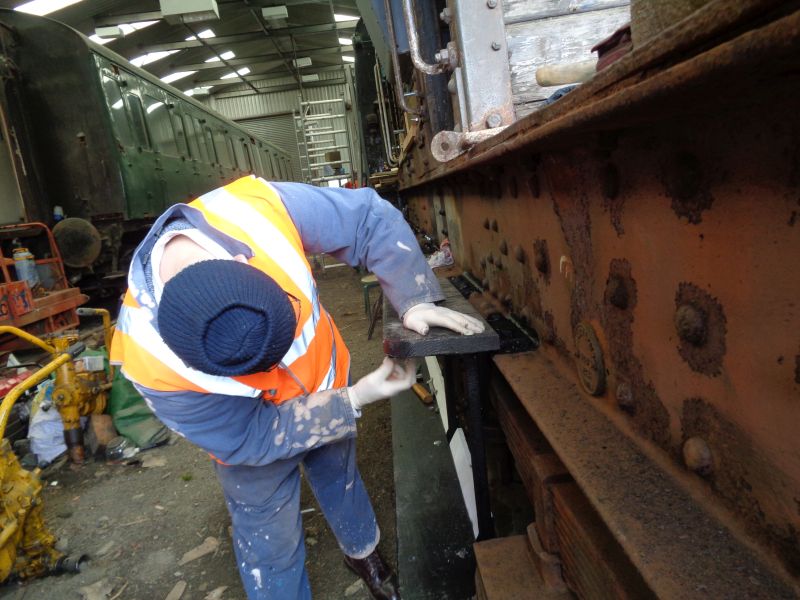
<point>248,210</point>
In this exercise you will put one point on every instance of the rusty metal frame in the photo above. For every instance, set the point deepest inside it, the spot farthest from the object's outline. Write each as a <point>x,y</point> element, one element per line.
<point>644,226</point>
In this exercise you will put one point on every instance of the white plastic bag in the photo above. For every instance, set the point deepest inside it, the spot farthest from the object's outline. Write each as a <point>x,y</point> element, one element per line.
<point>46,429</point>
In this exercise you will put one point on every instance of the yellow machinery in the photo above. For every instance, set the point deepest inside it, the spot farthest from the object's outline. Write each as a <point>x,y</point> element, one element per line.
<point>27,548</point>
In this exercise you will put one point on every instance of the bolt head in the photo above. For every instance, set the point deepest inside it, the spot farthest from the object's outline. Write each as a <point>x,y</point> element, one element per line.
<point>491,3</point>
<point>494,120</point>
<point>496,46</point>
<point>697,456</point>
<point>690,322</point>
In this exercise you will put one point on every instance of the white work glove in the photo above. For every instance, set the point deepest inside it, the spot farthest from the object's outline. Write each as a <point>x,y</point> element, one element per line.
<point>421,317</point>
<point>392,377</point>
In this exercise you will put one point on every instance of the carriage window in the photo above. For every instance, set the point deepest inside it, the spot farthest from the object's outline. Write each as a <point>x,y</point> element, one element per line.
<point>238,150</point>
<point>117,109</point>
<point>212,152</point>
<point>222,149</point>
<point>137,117</point>
<point>160,126</point>
<point>180,134</point>
<point>231,153</point>
<point>255,159</point>
<point>270,168</point>
<point>191,137</point>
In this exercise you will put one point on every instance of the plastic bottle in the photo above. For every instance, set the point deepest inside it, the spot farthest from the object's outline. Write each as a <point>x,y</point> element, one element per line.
<point>26,267</point>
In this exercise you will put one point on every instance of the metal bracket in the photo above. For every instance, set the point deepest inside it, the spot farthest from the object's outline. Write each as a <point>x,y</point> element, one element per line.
<point>484,76</point>
<point>446,145</point>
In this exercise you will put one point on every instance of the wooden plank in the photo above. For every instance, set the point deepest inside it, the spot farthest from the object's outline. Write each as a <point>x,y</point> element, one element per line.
<point>594,564</point>
<point>518,11</point>
<point>505,571</point>
<point>403,343</point>
<point>537,464</point>
<point>563,39</point>
<point>677,546</point>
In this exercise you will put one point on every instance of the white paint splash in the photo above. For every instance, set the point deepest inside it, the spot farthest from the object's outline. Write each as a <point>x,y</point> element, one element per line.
<point>420,280</point>
<point>256,573</point>
<point>402,246</point>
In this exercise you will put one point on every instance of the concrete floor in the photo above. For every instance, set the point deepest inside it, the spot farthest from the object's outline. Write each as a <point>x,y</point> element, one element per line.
<point>138,522</point>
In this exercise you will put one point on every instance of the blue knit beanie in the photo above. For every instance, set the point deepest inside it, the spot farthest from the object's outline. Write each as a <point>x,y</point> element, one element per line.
<point>224,317</point>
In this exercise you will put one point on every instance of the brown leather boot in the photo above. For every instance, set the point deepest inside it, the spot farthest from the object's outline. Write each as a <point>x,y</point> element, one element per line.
<point>379,578</point>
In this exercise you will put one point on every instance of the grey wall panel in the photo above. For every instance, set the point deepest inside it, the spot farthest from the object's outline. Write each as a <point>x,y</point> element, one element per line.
<point>279,130</point>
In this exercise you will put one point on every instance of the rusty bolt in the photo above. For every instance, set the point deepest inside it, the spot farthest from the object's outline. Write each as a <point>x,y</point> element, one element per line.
<point>494,225</point>
<point>504,248</point>
<point>507,300</point>
<point>690,322</point>
<point>442,212</point>
<point>491,3</point>
<point>519,254</point>
<point>624,396</point>
<point>618,292</point>
<point>485,283</point>
<point>486,223</point>
<point>496,46</point>
<point>540,258</point>
<point>494,120</point>
<point>697,456</point>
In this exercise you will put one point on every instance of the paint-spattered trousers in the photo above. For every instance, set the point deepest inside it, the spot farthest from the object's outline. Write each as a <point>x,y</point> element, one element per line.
<point>264,503</point>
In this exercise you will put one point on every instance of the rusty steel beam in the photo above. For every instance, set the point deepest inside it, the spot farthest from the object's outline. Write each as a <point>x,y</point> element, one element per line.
<point>647,229</point>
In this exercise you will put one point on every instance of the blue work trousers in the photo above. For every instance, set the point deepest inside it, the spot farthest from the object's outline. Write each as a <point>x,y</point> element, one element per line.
<point>264,504</point>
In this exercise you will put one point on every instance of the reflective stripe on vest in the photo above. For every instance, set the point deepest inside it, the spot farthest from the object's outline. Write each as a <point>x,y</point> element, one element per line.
<point>250,211</point>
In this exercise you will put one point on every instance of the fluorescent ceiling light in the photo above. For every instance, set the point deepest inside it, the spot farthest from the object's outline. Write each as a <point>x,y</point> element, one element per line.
<point>150,57</point>
<point>99,40</point>
<point>176,76</point>
<point>44,7</point>
<point>117,105</point>
<point>198,91</point>
<point>108,32</point>
<point>345,41</point>
<point>176,12</point>
<point>225,56</point>
<point>339,18</point>
<point>347,58</point>
<point>312,77</point>
<point>305,61</point>
<point>205,34</point>
<point>154,106</point>
<point>242,71</point>
<point>129,28</point>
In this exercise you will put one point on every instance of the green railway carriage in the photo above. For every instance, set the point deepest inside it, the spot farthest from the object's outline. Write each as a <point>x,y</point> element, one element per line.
<point>109,143</point>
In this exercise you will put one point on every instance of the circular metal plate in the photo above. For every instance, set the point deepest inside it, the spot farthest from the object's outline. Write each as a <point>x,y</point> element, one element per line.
<point>589,360</point>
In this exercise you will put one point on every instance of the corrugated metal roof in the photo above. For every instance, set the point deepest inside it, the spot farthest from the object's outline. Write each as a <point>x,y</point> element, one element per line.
<point>297,36</point>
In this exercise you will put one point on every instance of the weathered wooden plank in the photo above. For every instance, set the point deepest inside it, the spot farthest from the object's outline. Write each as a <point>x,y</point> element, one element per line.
<point>563,39</point>
<point>675,544</point>
<point>505,571</point>
<point>518,11</point>
<point>400,342</point>
<point>594,564</point>
<point>537,464</point>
